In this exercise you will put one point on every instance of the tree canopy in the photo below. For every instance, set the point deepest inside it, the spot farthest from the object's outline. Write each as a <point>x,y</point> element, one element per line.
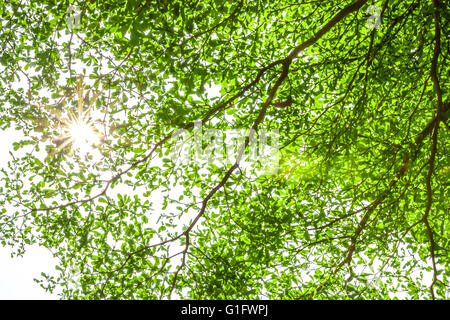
<point>350,96</point>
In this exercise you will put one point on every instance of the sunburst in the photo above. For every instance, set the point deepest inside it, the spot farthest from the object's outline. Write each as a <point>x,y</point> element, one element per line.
<point>78,130</point>
<point>79,134</point>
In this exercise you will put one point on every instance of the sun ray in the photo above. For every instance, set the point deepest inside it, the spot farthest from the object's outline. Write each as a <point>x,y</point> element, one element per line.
<point>77,130</point>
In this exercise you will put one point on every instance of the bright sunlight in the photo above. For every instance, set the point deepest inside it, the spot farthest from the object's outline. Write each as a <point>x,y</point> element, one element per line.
<point>83,136</point>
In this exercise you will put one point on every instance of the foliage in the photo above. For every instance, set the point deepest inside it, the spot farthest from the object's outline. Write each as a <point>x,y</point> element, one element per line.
<point>358,208</point>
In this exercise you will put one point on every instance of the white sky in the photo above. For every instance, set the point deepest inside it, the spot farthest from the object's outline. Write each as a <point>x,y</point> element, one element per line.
<point>17,274</point>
